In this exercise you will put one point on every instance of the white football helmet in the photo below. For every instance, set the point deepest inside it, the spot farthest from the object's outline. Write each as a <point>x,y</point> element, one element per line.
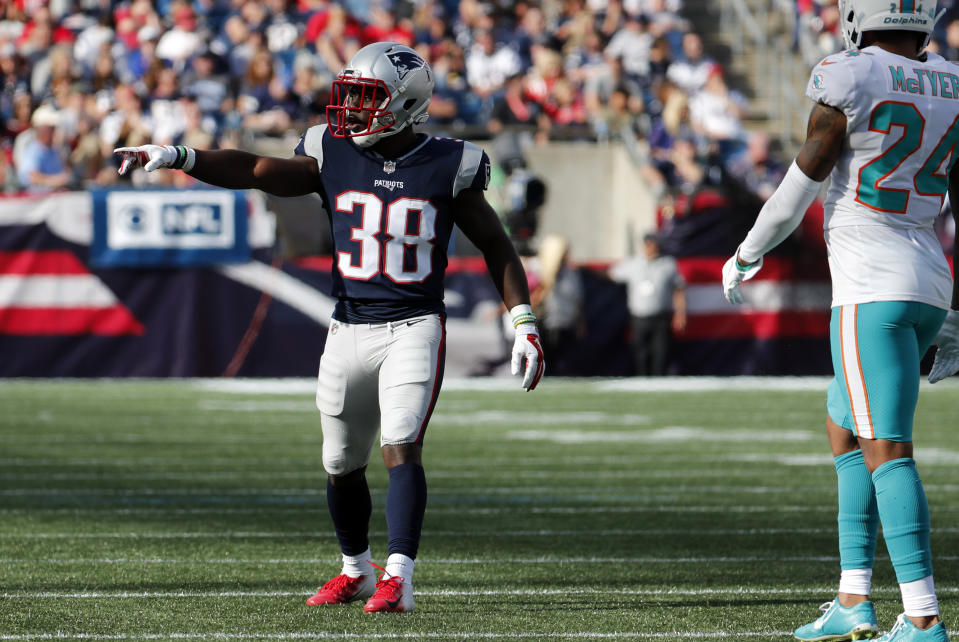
<point>877,15</point>
<point>385,87</point>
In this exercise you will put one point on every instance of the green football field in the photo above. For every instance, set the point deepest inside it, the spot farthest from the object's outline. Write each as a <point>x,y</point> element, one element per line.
<point>682,509</point>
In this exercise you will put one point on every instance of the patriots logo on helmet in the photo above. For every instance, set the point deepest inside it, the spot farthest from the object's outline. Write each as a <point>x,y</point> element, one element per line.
<point>404,62</point>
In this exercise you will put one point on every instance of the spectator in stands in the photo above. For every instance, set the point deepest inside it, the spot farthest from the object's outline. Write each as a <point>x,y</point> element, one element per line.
<point>619,118</point>
<point>19,119</point>
<point>600,86</point>
<point>384,26</point>
<point>87,161</point>
<point>631,45</point>
<point>656,298</point>
<point>669,167</point>
<point>126,123</point>
<point>91,42</point>
<point>41,166</point>
<point>755,168</point>
<point>310,91</point>
<point>819,32</point>
<point>514,108</point>
<point>660,59</point>
<point>48,70</point>
<point>564,104</point>
<point>13,80</point>
<point>183,41</point>
<point>717,112</point>
<point>692,70</point>
<point>235,45</point>
<point>103,77</point>
<point>488,66</point>
<point>142,59</point>
<point>197,132</point>
<point>546,71</point>
<point>207,87</point>
<point>452,99</point>
<point>264,103</point>
<point>40,34</point>
<point>531,32</point>
<point>338,40</point>
<point>583,56</point>
<point>166,113</point>
<point>950,46</point>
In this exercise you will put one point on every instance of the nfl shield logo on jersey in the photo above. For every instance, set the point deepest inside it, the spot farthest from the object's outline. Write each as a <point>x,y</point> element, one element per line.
<point>389,166</point>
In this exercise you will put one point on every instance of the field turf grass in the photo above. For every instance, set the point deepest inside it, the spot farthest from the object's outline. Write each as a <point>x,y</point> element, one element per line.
<point>685,509</point>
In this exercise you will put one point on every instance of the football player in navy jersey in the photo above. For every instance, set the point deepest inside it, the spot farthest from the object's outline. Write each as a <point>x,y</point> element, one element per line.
<point>392,196</point>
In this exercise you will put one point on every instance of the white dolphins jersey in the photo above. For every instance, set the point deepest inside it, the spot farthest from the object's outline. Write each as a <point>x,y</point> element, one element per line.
<point>891,178</point>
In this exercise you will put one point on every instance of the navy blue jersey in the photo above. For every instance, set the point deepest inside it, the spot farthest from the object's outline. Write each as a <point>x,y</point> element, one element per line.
<point>391,221</point>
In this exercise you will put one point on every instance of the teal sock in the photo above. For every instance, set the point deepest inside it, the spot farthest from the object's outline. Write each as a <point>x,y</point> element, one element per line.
<point>905,518</point>
<point>858,515</point>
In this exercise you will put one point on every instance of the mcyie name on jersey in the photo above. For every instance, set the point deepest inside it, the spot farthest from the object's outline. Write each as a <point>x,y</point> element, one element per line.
<point>937,83</point>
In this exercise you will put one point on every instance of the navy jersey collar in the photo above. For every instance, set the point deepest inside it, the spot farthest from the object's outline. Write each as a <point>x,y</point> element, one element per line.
<point>379,157</point>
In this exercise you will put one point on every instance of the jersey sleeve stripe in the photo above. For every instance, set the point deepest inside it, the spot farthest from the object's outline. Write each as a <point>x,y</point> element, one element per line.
<point>469,165</point>
<point>313,143</point>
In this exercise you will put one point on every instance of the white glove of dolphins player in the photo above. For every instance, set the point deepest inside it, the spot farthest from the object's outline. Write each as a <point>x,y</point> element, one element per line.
<point>152,157</point>
<point>526,347</point>
<point>734,273</point>
<point>946,362</point>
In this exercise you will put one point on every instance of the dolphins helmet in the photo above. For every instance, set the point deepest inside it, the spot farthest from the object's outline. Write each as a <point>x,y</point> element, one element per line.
<point>858,16</point>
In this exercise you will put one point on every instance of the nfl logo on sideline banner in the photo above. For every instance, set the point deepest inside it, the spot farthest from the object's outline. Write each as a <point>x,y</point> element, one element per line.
<point>169,227</point>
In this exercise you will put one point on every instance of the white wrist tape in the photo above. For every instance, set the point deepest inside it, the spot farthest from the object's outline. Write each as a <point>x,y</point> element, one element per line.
<point>522,314</point>
<point>781,214</point>
<point>190,159</point>
<point>183,157</point>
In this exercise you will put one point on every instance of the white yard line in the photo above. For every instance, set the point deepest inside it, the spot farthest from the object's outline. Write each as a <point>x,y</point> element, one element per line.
<point>466,635</point>
<point>472,491</point>
<point>440,510</point>
<point>731,591</point>
<point>335,561</point>
<point>545,532</point>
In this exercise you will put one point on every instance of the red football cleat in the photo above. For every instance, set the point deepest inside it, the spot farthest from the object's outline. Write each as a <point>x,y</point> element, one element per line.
<point>344,589</point>
<point>393,595</point>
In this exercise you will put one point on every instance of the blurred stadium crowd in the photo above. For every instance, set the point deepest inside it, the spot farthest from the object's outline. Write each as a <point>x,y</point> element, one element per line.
<point>80,77</point>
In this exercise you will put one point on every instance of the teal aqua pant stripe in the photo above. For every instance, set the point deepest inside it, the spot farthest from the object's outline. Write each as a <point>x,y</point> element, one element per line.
<point>858,515</point>
<point>904,513</point>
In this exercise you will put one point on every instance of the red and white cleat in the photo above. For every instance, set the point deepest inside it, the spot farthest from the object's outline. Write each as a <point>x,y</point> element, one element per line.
<point>344,589</point>
<point>393,595</point>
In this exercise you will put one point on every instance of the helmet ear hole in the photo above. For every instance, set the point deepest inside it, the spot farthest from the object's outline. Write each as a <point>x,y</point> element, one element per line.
<point>409,104</point>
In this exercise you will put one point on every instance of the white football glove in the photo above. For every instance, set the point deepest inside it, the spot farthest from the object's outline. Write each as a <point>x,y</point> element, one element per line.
<point>152,157</point>
<point>526,348</point>
<point>946,362</point>
<point>733,275</point>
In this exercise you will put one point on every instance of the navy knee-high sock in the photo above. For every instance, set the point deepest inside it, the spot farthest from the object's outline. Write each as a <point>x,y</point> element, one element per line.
<point>350,507</point>
<point>405,506</point>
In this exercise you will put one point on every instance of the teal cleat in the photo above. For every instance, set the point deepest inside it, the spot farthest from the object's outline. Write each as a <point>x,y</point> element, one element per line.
<point>906,631</point>
<point>840,623</point>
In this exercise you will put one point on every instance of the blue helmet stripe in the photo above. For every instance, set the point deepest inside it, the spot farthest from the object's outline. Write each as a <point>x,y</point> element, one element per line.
<point>907,6</point>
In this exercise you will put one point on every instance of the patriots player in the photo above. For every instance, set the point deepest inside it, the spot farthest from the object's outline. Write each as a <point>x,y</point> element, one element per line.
<point>885,129</point>
<point>392,196</point>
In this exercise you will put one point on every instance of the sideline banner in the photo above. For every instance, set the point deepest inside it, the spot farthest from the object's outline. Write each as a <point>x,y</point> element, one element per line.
<point>168,228</point>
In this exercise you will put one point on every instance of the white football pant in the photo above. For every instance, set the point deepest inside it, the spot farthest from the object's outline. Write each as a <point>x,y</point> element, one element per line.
<point>377,377</point>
